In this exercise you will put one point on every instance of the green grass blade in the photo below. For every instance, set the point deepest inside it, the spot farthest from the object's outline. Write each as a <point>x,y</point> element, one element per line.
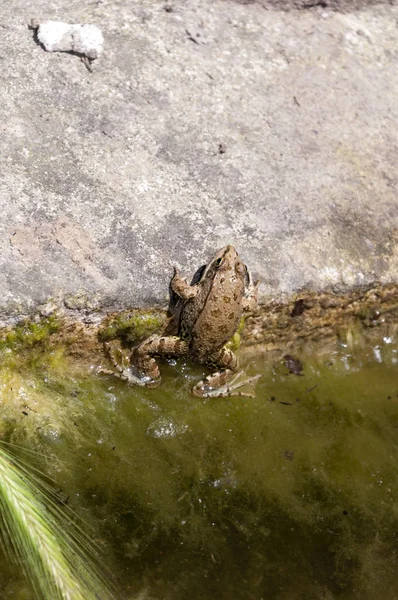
<point>54,555</point>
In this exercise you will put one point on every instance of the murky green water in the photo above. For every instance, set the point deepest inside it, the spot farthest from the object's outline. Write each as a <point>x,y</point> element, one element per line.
<point>293,494</point>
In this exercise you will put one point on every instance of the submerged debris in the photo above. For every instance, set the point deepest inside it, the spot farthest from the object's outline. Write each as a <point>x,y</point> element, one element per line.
<point>293,364</point>
<point>298,308</point>
<point>83,40</point>
<point>288,454</point>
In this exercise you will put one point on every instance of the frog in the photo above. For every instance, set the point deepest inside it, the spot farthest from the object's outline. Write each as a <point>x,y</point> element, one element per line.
<point>202,317</point>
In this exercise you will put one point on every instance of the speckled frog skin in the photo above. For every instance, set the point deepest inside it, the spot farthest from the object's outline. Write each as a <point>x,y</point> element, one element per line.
<point>204,315</point>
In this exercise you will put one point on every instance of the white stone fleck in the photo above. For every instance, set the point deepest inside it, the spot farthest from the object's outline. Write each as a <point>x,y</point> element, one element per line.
<point>57,36</point>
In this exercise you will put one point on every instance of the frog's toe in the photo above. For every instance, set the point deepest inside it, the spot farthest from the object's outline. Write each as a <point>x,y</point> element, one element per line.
<point>206,388</point>
<point>141,381</point>
<point>126,374</point>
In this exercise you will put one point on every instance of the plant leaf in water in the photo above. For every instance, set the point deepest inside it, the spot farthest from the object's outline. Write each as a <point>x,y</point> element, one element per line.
<point>53,553</point>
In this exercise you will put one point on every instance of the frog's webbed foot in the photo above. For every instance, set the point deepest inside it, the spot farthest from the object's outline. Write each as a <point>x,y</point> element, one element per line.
<point>125,370</point>
<point>211,386</point>
<point>224,383</point>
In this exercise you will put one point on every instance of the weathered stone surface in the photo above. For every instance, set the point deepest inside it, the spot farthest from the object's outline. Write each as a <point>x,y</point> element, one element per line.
<point>209,123</point>
<point>340,5</point>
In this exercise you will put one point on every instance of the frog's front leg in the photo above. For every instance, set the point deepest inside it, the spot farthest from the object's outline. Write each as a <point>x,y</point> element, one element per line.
<point>181,287</point>
<point>142,368</point>
<point>249,301</point>
<point>223,383</point>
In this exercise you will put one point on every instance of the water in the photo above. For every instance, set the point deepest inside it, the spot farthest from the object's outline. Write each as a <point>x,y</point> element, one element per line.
<point>290,495</point>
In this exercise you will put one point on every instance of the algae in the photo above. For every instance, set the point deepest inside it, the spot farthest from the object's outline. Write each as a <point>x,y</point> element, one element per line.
<point>28,333</point>
<point>131,326</point>
<point>235,341</point>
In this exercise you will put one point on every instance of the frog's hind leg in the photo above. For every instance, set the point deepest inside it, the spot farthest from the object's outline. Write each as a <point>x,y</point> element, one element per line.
<point>223,383</point>
<point>142,357</point>
<point>141,368</point>
<point>124,369</point>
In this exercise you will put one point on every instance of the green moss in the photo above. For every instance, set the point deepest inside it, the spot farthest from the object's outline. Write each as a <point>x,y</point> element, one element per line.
<point>235,340</point>
<point>367,313</point>
<point>29,333</point>
<point>131,326</point>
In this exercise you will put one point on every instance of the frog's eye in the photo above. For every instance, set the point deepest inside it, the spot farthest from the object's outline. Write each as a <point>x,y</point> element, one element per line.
<point>218,262</point>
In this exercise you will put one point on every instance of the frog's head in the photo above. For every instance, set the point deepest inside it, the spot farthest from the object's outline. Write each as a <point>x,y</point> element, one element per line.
<point>225,262</point>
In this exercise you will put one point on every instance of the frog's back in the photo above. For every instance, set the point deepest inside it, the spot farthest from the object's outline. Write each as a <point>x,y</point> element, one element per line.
<point>216,325</point>
<point>211,318</point>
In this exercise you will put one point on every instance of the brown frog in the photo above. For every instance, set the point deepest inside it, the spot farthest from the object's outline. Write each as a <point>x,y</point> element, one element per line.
<point>204,315</point>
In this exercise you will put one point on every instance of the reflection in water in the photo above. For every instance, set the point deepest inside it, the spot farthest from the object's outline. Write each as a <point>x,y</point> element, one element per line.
<point>288,495</point>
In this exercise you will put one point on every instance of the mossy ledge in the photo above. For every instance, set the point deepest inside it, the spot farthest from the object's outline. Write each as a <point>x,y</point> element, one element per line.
<point>276,323</point>
<point>313,316</point>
